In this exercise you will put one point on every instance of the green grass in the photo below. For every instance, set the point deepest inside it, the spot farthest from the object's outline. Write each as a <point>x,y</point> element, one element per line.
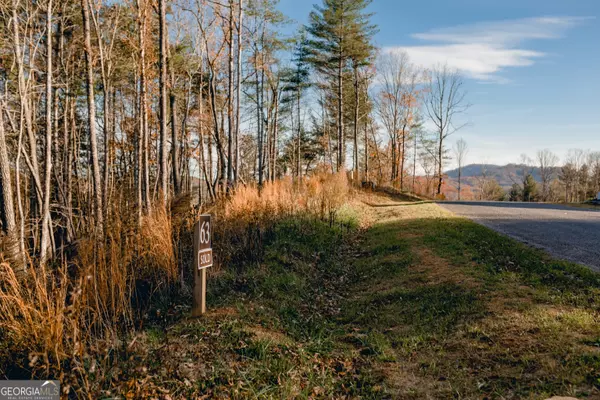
<point>476,312</point>
<point>500,258</point>
<point>429,309</point>
<point>420,305</point>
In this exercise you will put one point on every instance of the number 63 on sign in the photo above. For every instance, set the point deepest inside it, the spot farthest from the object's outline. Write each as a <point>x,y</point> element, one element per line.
<point>204,246</point>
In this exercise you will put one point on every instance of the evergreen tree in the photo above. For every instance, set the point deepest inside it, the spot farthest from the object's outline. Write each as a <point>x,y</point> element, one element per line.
<point>340,39</point>
<point>362,54</point>
<point>515,193</point>
<point>529,188</point>
<point>297,79</point>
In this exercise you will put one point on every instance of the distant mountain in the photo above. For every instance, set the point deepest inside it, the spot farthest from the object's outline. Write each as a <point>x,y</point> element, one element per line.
<point>506,175</point>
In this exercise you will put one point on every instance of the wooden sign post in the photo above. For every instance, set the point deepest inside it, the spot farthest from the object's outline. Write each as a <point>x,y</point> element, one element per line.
<point>203,258</point>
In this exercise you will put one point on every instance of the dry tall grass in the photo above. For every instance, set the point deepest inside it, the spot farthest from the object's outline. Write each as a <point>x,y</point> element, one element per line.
<point>63,320</point>
<point>247,217</point>
<point>320,195</point>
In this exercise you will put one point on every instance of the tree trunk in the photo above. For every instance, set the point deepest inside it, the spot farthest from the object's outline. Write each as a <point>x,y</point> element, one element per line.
<point>393,146</point>
<point>220,152</point>
<point>414,164</point>
<point>32,159</point>
<point>106,130</point>
<point>299,137</point>
<point>366,176</point>
<point>402,158</point>
<point>459,176</point>
<point>266,126</point>
<point>230,127</point>
<point>144,189</point>
<point>69,137</point>
<point>46,221</point>
<point>440,153</point>
<point>340,93</point>
<point>20,201</point>
<point>238,95</point>
<point>7,210</point>
<point>259,121</point>
<point>92,117</point>
<point>207,172</point>
<point>275,136</point>
<point>356,106</point>
<point>163,101</point>
<point>174,141</point>
<point>184,164</point>
<point>379,163</point>
<point>140,155</point>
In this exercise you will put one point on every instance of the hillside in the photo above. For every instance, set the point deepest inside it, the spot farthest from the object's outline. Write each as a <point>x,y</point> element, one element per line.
<point>506,175</point>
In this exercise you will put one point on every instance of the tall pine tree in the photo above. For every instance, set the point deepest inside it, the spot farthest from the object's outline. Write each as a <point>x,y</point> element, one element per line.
<point>297,79</point>
<point>340,40</point>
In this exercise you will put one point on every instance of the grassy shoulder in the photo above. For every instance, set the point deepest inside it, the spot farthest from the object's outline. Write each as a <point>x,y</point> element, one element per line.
<point>588,206</point>
<point>420,304</point>
<point>462,310</point>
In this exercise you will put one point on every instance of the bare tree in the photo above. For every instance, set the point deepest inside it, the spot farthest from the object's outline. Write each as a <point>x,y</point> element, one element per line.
<point>230,79</point>
<point>488,186</point>
<point>91,103</point>
<point>163,100</point>
<point>143,189</point>
<point>396,105</point>
<point>7,209</point>
<point>238,87</point>
<point>576,160</point>
<point>176,175</point>
<point>460,152</point>
<point>106,70</point>
<point>46,221</point>
<point>445,100</point>
<point>482,180</point>
<point>594,163</point>
<point>547,162</point>
<point>428,164</point>
<point>24,82</point>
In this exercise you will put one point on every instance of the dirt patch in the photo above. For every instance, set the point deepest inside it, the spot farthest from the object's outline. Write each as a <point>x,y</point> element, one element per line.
<point>222,312</point>
<point>410,235</point>
<point>439,270</point>
<point>404,381</point>
<point>262,333</point>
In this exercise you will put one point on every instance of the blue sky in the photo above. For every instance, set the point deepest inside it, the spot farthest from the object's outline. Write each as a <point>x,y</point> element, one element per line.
<point>532,67</point>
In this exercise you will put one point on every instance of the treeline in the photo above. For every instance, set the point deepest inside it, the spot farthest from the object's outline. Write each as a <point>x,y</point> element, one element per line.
<point>543,179</point>
<point>128,105</point>
<point>579,177</point>
<point>575,181</point>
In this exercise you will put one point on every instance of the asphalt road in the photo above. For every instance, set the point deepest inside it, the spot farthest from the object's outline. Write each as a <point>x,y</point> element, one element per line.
<point>567,233</point>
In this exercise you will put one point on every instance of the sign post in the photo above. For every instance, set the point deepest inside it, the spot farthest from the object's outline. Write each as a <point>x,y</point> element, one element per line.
<point>203,259</point>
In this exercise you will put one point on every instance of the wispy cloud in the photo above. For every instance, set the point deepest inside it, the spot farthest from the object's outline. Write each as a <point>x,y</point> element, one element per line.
<point>484,49</point>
